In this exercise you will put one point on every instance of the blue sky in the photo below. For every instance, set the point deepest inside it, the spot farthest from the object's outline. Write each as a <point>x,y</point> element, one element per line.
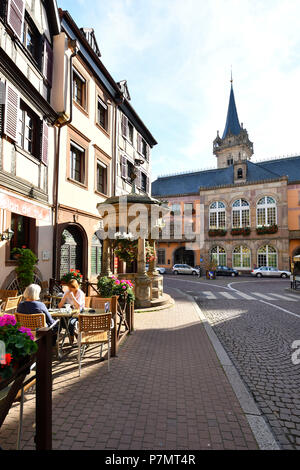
<point>177,56</point>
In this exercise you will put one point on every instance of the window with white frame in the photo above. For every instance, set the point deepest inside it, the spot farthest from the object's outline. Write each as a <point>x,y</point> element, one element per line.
<point>218,256</point>
<point>217,215</point>
<point>266,211</point>
<point>240,213</point>
<point>241,257</point>
<point>267,256</point>
<point>176,209</point>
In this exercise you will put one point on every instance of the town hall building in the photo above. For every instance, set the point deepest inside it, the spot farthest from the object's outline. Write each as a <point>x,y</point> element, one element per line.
<point>251,210</point>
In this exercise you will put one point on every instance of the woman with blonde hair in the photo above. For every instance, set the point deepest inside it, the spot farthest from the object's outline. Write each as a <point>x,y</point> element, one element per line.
<point>32,303</point>
<point>75,297</point>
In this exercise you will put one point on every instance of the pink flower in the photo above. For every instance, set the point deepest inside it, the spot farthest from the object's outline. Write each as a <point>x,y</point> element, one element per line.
<point>27,332</point>
<point>117,282</point>
<point>7,320</point>
<point>123,287</point>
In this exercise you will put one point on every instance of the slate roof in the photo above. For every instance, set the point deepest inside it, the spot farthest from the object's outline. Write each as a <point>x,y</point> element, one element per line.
<point>189,183</point>
<point>232,122</point>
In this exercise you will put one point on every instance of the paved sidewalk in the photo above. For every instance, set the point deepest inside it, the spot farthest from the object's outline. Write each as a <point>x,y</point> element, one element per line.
<point>166,390</point>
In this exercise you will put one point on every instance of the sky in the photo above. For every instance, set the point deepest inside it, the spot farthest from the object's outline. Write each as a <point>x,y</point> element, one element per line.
<point>177,57</point>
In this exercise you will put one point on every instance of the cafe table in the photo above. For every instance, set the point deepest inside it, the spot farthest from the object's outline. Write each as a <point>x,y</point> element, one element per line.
<point>65,317</point>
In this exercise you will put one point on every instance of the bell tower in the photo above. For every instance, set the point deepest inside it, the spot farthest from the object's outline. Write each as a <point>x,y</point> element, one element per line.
<point>235,144</point>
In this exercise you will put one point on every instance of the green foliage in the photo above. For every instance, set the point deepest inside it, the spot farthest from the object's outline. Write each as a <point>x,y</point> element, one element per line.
<point>26,260</point>
<point>110,286</point>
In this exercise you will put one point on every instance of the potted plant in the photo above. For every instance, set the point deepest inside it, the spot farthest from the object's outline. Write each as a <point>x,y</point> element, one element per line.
<point>26,261</point>
<point>109,286</point>
<point>73,274</point>
<point>19,345</point>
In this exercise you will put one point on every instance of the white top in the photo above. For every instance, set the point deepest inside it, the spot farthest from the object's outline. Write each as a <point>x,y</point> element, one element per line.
<point>79,296</point>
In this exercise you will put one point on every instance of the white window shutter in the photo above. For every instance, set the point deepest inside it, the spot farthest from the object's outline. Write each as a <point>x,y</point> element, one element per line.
<point>11,112</point>
<point>15,16</point>
<point>123,167</point>
<point>124,125</point>
<point>45,138</point>
<point>147,185</point>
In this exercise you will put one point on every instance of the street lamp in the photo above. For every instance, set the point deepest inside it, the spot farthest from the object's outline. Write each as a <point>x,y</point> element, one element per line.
<point>7,235</point>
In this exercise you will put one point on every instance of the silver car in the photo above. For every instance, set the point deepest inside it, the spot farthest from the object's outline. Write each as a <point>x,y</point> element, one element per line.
<point>265,271</point>
<point>185,269</point>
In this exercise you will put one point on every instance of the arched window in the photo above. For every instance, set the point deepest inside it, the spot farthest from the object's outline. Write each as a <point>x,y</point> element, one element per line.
<point>217,215</point>
<point>96,255</point>
<point>240,213</point>
<point>267,256</point>
<point>241,257</point>
<point>218,256</point>
<point>240,173</point>
<point>266,211</point>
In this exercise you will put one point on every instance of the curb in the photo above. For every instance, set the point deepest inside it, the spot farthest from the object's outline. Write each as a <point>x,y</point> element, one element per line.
<point>261,431</point>
<point>156,309</point>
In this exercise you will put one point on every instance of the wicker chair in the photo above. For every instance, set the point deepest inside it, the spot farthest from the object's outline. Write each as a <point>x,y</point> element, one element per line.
<point>94,329</point>
<point>31,321</point>
<point>7,293</point>
<point>11,303</point>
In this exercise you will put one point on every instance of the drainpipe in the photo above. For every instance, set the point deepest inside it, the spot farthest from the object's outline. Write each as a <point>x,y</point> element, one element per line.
<point>73,45</point>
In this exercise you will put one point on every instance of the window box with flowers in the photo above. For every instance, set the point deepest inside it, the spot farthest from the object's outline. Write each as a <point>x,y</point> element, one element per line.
<point>217,232</point>
<point>19,346</point>
<point>267,229</point>
<point>244,231</point>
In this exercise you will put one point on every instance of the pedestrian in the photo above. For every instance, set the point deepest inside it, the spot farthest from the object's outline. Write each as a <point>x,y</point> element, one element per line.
<point>76,298</point>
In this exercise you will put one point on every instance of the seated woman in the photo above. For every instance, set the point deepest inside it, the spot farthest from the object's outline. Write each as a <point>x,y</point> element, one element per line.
<point>32,303</point>
<point>75,297</point>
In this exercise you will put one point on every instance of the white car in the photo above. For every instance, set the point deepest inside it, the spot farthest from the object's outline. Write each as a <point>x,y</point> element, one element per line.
<point>185,269</point>
<point>265,271</point>
<point>158,268</point>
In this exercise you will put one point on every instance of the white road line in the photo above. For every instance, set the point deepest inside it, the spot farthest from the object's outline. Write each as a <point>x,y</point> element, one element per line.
<point>284,297</point>
<point>294,296</point>
<point>227,295</point>
<point>263,296</point>
<point>209,295</point>
<point>245,296</point>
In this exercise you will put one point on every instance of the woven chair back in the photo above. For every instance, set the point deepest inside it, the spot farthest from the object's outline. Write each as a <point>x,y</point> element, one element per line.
<point>94,323</point>
<point>11,303</point>
<point>32,321</point>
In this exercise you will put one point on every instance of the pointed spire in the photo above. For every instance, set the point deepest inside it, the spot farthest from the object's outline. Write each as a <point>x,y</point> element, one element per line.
<point>232,121</point>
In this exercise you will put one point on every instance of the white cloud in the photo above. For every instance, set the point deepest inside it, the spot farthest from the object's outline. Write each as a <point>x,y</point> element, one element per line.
<point>177,57</point>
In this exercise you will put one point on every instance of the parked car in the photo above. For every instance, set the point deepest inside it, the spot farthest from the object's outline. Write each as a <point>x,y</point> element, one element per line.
<point>185,269</point>
<point>158,268</point>
<point>226,271</point>
<point>265,271</point>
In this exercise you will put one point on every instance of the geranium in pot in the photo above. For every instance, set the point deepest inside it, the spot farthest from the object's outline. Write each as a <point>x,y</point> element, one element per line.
<point>72,274</point>
<point>110,286</point>
<point>19,345</point>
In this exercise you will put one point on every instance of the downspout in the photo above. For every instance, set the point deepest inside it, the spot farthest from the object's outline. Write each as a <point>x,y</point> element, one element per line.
<point>73,45</point>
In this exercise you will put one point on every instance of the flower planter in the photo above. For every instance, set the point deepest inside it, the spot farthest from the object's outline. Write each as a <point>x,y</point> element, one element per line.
<point>241,231</point>
<point>217,233</point>
<point>267,230</point>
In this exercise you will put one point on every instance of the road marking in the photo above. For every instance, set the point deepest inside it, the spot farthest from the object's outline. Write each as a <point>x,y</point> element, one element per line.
<point>227,295</point>
<point>284,297</point>
<point>245,296</point>
<point>294,296</point>
<point>263,296</point>
<point>209,295</point>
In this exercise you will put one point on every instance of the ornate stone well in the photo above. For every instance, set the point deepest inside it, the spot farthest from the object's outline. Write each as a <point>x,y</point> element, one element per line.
<point>138,215</point>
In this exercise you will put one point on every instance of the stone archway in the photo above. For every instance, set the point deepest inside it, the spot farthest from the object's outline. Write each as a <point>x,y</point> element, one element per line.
<point>296,251</point>
<point>183,256</point>
<point>73,249</point>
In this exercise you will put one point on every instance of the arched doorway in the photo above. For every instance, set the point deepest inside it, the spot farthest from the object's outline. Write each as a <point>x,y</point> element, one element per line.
<point>71,250</point>
<point>183,256</point>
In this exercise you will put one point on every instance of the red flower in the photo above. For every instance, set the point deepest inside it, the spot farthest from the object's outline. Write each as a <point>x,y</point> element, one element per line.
<point>8,359</point>
<point>24,246</point>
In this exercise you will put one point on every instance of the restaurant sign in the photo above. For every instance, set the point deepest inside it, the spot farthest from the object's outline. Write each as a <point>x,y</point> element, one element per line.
<point>21,207</point>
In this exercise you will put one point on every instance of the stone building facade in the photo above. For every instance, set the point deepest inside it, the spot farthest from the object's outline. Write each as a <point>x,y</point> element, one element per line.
<point>251,210</point>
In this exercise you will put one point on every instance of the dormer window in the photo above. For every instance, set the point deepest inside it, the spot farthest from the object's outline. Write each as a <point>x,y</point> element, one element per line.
<point>240,173</point>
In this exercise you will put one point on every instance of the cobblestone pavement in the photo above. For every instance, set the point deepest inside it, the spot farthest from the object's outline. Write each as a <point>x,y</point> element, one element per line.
<point>258,339</point>
<point>166,390</point>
